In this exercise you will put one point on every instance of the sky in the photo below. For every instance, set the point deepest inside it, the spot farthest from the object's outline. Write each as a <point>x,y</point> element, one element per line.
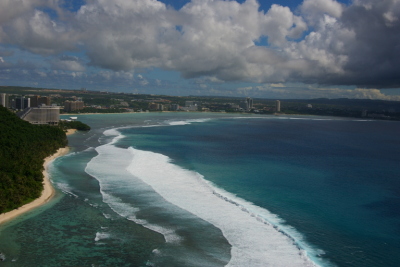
<point>270,49</point>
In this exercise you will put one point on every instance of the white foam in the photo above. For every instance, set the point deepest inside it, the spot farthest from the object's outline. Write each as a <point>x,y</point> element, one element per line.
<point>107,216</point>
<point>178,123</point>
<point>101,236</point>
<point>185,122</point>
<point>254,240</point>
<point>109,168</point>
<point>90,148</point>
<point>111,132</point>
<point>66,189</point>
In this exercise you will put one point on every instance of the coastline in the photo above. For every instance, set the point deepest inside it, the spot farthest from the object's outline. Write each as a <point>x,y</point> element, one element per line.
<point>71,131</point>
<point>47,193</point>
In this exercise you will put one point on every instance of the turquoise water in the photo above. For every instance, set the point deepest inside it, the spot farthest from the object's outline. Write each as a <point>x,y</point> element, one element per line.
<point>199,189</point>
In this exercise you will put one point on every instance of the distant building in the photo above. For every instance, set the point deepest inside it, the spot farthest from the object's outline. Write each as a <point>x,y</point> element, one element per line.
<point>22,103</point>
<point>73,105</point>
<point>249,103</point>
<point>154,106</point>
<point>4,100</point>
<point>49,115</point>
<point>233,106</point>
<point>37,101</point>
<point>124,104</point>
<point>174,107</point>
<point>191,106</point>
<point>192,103</point>
<point>278,106</point>
<point>244,105</point>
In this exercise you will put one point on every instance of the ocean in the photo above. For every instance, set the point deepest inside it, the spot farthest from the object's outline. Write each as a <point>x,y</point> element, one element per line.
<point>214,189</point>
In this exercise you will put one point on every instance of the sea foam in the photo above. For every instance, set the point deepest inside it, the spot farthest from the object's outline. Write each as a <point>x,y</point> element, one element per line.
<point>185,122</point>
<point>109,168</point>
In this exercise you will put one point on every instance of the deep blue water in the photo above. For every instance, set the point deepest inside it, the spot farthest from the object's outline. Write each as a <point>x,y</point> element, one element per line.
<point>332,183</point>
<point>334,180</point>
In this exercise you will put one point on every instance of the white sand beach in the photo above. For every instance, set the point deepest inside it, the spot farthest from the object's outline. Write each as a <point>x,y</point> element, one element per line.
<point>71,131</point>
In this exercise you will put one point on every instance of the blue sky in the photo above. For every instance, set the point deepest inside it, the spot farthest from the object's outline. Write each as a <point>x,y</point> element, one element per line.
<point>272,49</point>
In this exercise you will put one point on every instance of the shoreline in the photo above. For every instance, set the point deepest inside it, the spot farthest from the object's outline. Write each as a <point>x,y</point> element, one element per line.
<point>71,131</point>
<point>47,193</point>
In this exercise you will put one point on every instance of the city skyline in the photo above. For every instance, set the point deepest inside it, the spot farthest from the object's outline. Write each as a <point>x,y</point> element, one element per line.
<point>290,49</point>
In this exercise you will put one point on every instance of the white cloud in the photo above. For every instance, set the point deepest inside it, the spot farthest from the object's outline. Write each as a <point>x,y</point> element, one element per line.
<point>313,10</point>
<point>68,63</point>
<point>354,44</point>
<point>11,9</point>
<point>142,80</point>
<point>38,33</point>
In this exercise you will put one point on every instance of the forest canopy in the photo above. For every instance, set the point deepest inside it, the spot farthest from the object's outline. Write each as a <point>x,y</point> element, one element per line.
<point>23,148</point>
<point>80,126</point>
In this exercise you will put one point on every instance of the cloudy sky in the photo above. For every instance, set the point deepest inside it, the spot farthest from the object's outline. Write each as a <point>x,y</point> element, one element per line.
<point>273,49</point>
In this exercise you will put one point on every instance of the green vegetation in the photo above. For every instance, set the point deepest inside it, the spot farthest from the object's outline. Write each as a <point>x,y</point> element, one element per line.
<point>23,148</point>
<point>80,126</point>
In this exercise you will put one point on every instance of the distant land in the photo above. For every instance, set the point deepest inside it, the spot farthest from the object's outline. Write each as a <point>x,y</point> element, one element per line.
<point>111,102</point>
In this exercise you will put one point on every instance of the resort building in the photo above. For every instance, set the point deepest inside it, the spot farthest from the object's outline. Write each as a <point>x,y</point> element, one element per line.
<point>41,115</point>
<point>38,100</point>
<point>73,105</point>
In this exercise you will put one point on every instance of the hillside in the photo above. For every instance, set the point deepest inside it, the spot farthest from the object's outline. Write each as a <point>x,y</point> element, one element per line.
<point>23,148</point>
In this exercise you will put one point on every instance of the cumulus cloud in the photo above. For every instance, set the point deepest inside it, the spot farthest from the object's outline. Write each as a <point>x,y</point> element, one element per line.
<point>314,10</point>
<point>38,33</point>
<point>11,9</point>
<point>68,63</point>
<point>325,42</point>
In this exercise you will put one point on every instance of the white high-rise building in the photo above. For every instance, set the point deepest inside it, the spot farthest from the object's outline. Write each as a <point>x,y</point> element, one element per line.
<point>278,106</point>
<point>249,103</point>
<point>4,100</point>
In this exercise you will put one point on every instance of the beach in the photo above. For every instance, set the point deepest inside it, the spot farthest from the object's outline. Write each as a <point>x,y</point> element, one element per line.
<point>71,131</point>
<point>47,193</point>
